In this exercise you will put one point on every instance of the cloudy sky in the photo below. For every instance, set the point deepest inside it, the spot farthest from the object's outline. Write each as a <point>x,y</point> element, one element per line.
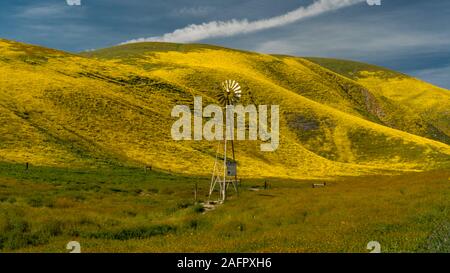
<point>412,36</point>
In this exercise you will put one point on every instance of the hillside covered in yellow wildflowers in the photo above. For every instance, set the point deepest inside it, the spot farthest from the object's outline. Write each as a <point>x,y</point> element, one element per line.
<point>113,107</point>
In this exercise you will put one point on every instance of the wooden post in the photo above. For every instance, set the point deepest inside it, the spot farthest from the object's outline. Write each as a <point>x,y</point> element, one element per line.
<point>265,184</point>
<point>26,166</point>
<point>195,191</point>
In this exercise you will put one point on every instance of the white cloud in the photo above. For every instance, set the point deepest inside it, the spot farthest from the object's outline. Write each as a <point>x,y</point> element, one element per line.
<point>233,27</point>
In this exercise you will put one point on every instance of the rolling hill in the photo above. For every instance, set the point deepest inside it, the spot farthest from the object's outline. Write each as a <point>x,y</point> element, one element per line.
<point>112,107</point>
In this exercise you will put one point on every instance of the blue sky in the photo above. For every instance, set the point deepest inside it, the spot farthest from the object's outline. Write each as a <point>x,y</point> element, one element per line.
<point>412,36</point>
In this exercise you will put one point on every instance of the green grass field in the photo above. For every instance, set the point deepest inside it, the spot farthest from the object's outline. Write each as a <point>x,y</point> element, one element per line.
<point>122,209</point>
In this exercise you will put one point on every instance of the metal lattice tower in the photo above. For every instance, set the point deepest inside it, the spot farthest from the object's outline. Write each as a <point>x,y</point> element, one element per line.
<point>225,171</point>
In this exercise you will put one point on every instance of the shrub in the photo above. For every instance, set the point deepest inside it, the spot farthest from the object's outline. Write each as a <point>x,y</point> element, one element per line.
<point>15,232</point>
<point>167,191</point>
<point>133,233</point>
<point>64,202</point>
<point>53,228</point>
<point>183,204</point>
<point>198,208</point>
<point>35,201</point>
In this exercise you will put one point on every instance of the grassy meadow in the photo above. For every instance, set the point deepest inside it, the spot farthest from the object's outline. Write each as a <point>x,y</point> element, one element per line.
<point>121,209</point>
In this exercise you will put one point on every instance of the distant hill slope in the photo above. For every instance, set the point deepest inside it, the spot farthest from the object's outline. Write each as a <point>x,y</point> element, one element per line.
<point>406,103</point>
<point>113,106</point>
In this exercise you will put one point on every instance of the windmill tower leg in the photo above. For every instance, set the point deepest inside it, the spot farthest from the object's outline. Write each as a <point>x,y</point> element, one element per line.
<point>235,175</point>
<point>215,174</point>
<point>224,181</point>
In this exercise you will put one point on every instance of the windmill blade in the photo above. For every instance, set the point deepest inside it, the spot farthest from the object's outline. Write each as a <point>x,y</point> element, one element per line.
<point>231,92</point>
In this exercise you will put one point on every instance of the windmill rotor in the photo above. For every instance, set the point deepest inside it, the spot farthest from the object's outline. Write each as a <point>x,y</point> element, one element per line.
<point>231,93</point>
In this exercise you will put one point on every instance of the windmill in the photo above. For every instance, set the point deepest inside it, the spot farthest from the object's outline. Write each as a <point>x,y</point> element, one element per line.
<point>229,95</point>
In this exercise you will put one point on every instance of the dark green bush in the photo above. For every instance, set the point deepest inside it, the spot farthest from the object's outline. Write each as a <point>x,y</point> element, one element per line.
<point>133,233</point>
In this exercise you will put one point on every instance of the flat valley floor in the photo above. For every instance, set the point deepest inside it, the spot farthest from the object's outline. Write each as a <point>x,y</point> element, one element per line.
<point>129,210</point>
